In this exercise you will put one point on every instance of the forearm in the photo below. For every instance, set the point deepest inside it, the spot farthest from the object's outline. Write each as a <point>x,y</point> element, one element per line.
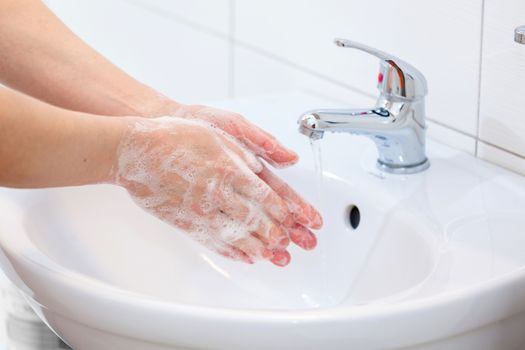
<point>45,146</point>
<point>41,57</point>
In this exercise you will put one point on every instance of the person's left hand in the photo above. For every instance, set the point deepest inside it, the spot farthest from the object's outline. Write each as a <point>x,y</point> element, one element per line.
<point>254,138</point>
<point>272,151</point>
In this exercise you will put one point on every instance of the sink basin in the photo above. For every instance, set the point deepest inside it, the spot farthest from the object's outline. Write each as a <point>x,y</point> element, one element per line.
<point>436,261</point>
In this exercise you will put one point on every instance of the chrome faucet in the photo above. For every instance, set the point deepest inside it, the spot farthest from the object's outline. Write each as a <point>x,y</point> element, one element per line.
<point>396,124</point>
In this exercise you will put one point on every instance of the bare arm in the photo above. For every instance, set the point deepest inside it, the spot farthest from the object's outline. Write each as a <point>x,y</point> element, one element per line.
<point>41,57</point>
<point>42,145</point>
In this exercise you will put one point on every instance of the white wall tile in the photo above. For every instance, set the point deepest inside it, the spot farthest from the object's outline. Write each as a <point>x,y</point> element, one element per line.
<point>441,38</point>
<point>213,15</point>
<point>502,108</point>
<point>451,137</point>
<point>185,64</point>
<point>257,74</point>
<point>501,158</point>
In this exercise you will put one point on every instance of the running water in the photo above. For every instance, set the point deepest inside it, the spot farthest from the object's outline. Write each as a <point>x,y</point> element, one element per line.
<point>318,166</point>
<point>322,249</point>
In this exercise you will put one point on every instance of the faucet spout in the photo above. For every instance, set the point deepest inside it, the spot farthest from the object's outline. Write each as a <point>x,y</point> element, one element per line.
<point>344,120</point>
<point>396,127</point>
<point>310,126</point>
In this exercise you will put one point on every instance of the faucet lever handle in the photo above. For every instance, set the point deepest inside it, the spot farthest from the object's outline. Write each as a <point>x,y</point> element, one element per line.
<point>397,78</point>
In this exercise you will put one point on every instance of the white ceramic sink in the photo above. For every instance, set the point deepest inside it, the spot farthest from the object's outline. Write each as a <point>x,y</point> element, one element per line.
<point>437,261</point>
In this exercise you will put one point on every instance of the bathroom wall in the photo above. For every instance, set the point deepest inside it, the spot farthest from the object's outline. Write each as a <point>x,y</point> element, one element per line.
<point>205,50</point>
<point>502,90</point>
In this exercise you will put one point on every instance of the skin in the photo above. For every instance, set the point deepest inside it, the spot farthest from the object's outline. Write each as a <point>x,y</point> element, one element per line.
<point>45,146</point>
<point>63,134</point>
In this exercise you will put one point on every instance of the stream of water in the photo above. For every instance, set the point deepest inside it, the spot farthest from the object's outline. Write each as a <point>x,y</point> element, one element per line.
<point>318,167</point>
<point>318,203</point>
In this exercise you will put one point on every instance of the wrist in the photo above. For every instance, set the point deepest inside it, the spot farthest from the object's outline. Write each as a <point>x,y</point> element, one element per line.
<point>151,104</point>
<point>117,131</point>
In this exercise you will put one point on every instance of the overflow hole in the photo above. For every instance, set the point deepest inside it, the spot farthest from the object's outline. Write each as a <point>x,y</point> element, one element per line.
<point>353,216</point>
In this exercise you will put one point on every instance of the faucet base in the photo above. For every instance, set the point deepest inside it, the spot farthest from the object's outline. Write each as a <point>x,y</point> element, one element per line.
<point>403,170</point>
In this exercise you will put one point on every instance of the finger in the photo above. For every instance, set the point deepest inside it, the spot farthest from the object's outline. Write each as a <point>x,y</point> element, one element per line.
<point>277,238</point>
<point>234,253</point>
<point>303,212</point>
<point>220,247</point>
<point>302,236</point>
<point>266,145</point>
<point>255,220</point>
<point>253,137</point>
<point>281,258</point>
<point>257,191</point>
<point>247,156</point>
<point>254,248</point>
<point>231,238</point>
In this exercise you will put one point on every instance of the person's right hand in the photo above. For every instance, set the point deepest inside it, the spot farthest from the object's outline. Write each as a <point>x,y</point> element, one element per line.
<point>200,179</point>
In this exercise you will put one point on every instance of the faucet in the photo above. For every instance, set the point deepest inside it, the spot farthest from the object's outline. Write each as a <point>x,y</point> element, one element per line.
<point>396,123</point>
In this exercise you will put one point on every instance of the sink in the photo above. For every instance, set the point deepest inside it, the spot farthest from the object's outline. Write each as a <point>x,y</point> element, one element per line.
<point>436,261</point>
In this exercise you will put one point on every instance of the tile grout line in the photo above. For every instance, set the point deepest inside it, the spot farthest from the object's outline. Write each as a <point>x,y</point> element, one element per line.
<point>451,128</point>
<point>482,29</point>
<point>521,156</point>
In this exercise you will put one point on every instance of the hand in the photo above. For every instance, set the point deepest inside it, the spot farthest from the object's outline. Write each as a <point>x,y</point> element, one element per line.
<point>200,179</point>
<point>254,138</point>
<point>270,149</point>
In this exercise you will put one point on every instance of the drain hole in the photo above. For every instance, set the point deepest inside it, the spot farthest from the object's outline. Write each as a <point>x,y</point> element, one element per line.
<point>354,216</point>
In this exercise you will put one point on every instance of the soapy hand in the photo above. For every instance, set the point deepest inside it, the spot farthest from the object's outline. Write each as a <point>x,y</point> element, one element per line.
<point>197,177</point>
<point>270,149</point>
<point>255,139</point>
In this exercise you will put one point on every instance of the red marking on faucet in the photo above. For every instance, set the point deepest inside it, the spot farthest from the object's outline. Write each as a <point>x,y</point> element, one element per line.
<point>380,78</point>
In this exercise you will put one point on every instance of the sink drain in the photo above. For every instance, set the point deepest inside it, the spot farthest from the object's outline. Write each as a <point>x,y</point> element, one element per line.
<point>353,216</point>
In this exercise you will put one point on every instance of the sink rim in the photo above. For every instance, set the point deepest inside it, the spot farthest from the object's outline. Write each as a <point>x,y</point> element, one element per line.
<point>20,246</point>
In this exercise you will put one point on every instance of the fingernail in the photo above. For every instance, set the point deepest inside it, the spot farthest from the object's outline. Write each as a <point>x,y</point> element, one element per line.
<point>290,155</point>
<point>281,258</point>
<point>309,242</point>
<point>283,157</point>
<point>314,220</point>
<point>302,218</point>
<point>318,222</point>
<point>303,238</point>
<point>294,154</point>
